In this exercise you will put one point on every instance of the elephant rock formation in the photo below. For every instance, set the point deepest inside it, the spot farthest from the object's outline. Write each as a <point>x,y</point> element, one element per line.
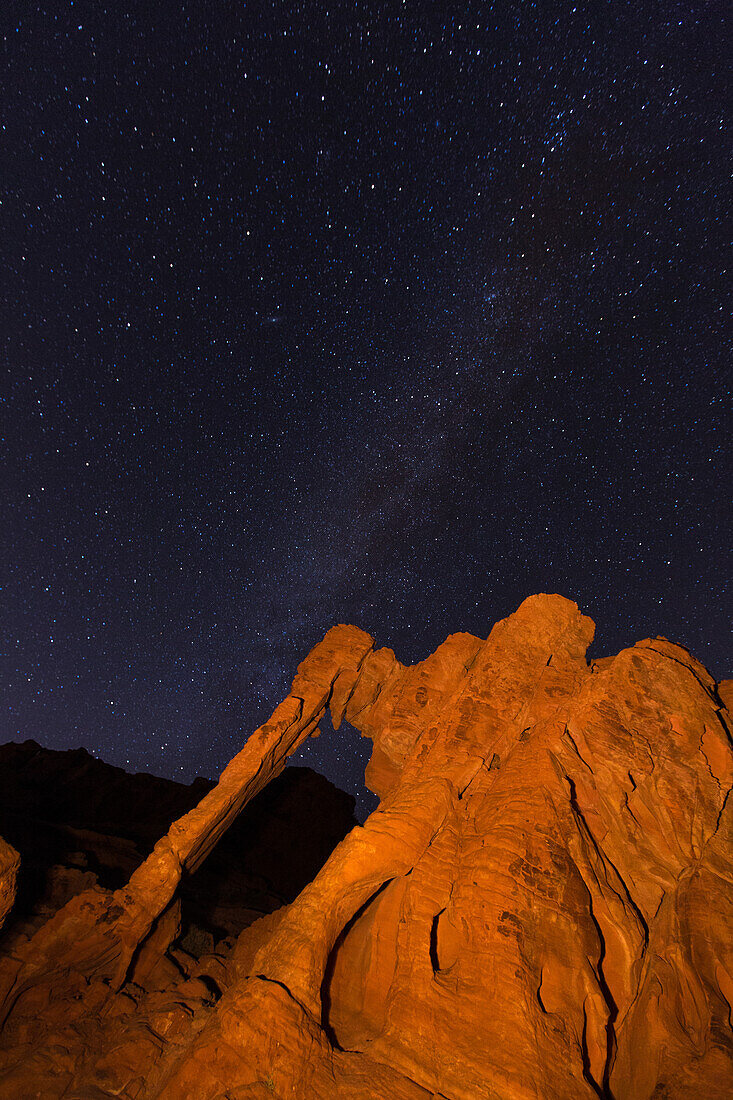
<point>540,907</point>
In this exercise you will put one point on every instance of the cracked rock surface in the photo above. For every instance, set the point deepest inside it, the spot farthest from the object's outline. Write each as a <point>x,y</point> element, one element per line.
<point>539,908</point>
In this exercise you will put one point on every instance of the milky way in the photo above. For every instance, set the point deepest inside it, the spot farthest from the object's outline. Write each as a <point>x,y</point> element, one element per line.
<point>350,313</point>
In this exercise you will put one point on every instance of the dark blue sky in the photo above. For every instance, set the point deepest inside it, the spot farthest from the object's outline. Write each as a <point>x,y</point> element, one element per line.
<point>349,313</point>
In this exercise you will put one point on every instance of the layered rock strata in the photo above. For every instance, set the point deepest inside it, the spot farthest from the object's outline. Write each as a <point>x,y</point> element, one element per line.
<point>539,908</point>
<point>9,861</point>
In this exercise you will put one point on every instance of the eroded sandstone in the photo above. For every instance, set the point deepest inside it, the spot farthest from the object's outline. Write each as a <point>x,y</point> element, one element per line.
<point>540,907</point>
<point>9,862</point>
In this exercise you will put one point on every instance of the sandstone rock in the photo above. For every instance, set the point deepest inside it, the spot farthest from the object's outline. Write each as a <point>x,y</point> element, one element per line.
<point>9,863</point>
<point>539,907</point>
<point>78,822</point>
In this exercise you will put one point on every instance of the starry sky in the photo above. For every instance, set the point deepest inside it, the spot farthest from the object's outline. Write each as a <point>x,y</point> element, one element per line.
<point>381,313</point>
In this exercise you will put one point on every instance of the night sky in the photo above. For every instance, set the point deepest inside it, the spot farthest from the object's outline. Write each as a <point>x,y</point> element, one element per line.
<point>350,312</point>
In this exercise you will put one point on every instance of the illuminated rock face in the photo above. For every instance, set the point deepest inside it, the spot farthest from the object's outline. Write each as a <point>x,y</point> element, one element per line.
<point>540,907</point>
<point>9,861</point>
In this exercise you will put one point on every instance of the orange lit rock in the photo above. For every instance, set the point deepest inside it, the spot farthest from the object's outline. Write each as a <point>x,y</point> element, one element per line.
<point>9,862</point>
<point>539,907</point>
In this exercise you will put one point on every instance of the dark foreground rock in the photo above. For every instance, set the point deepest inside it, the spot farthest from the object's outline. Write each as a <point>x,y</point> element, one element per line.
<point>78,823</point>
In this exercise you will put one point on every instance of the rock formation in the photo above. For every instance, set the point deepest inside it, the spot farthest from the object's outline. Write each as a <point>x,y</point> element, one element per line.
<point>78,822</point>
<point>9,861</point>
<point>540,907</point>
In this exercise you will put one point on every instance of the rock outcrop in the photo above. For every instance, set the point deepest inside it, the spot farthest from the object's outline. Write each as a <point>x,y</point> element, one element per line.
<point>540,907</point>
<point>78,822</point>
<point>9,861</point>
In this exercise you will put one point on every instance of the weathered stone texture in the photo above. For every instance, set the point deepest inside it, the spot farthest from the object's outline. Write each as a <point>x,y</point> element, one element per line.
<point>9,862</point>
<point>539,909</point>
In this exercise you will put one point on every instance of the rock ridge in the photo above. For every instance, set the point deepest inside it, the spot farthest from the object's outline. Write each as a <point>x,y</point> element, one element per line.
<point>540,906</point>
